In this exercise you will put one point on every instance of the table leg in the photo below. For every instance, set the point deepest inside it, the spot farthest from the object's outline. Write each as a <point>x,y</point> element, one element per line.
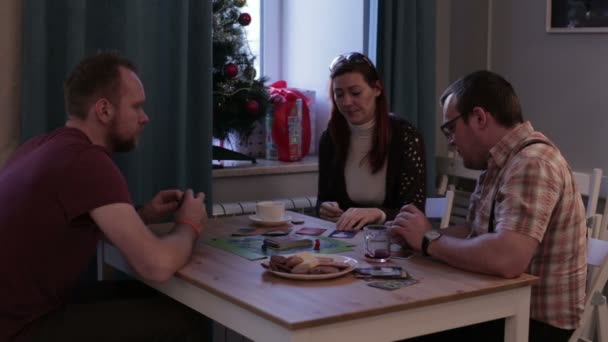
<point>517,326</point>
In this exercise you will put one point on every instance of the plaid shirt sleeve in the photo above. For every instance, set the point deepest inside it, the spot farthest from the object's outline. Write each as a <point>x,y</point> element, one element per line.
<point>527,196</point>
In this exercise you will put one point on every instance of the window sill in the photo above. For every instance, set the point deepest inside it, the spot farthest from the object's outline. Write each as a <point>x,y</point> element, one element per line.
<point>266,167</point>
<point>267,179</point>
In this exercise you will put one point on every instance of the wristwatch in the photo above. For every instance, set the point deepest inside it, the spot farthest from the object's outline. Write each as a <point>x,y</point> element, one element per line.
<point>430,235</point>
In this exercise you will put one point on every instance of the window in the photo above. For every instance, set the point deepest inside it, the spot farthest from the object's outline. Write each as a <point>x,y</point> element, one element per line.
<point>254,32</point>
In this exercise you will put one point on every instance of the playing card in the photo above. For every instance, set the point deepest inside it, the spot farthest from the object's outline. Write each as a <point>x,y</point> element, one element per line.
<point>381,271</point>
<point>393,284</point>
<point>343,234</point>
<point>310,231</point>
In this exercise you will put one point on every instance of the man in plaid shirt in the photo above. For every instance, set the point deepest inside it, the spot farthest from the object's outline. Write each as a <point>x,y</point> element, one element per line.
<point>525,215</point>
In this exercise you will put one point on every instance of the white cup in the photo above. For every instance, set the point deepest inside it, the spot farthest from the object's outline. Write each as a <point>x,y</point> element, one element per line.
<point>270,210</point>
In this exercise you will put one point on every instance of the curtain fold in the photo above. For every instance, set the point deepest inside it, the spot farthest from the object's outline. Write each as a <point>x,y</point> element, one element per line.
<point>406,61</point>
<point>169,41</point>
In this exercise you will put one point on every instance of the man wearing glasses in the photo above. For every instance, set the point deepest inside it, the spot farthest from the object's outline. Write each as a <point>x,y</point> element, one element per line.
<point>525,214</point>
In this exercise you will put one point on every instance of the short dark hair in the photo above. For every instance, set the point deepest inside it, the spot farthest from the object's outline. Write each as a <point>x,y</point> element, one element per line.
<point>488,90</point>
<point>94,77</point>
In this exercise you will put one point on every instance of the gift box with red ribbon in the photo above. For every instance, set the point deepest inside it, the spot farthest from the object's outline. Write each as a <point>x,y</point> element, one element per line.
<point>288,130</point>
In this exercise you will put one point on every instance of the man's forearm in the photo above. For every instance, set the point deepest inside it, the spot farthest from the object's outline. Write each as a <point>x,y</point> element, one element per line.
<point>505,253</point>
<point>458,231</point>
<point>177,247</point>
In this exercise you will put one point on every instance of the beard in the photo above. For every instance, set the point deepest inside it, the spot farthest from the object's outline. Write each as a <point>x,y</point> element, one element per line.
<point>123,145</point>
<point>120,143</point>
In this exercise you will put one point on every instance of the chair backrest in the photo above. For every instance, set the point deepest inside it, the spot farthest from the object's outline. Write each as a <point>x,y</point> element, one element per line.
<point>595,314</point>
<point>452,169</point>
<point>589,187</point>
<point>593,225</point>
<point>457,178</point>
<point>440,208</point>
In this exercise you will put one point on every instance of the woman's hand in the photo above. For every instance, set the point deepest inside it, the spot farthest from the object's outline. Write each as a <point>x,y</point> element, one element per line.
<point>357,218</point>
<point>330,211</point>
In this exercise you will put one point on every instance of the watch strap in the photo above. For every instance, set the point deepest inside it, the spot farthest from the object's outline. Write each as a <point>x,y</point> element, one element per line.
<point>426,241</point>
<point>425,246</point>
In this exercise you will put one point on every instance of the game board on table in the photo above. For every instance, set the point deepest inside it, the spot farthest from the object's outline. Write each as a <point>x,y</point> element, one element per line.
<point>250,247</point>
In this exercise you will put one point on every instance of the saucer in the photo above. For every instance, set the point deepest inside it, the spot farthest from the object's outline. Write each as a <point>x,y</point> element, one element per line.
<point>259,221</point>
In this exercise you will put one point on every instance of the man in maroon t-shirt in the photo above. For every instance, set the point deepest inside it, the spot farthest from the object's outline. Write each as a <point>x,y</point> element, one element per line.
<point>60,192</point>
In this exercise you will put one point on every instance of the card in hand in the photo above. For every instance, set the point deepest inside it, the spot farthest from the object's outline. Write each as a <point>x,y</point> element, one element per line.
<point>393,284</point>
<point>310,231</point>
<point>343,234</point>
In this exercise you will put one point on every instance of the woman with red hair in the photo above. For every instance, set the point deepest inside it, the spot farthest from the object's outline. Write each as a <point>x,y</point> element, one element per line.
<point>371,163</point>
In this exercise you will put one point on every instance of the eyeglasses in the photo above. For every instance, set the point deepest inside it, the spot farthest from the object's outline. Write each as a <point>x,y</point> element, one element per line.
<point>448,127</point>
<point>349,58</point>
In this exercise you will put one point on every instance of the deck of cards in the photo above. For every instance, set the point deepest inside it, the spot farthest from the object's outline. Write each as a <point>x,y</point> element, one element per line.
<point>381,272</point>
<point>393,277</point>
<point>393,284</point>
<point>287,242</point>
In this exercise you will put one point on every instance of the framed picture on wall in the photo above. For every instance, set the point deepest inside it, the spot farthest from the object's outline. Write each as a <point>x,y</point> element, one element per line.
<point>577,16</point>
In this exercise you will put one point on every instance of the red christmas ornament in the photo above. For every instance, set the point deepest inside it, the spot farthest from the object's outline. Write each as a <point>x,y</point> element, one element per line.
<point>244,19</point>
<point>231,70</point>
<point>253,107</point>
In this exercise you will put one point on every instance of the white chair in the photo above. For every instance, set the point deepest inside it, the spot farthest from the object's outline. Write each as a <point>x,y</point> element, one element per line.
<point>595,314</point>
<point>593,225</point>
<point>589,187</point>
<point>440,208</point>
<point>602,232</point>
<point>460,180</point>
<point>452,169</point>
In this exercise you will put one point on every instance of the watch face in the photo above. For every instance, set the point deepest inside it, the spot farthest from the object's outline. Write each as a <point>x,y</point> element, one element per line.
<point>432,235</point>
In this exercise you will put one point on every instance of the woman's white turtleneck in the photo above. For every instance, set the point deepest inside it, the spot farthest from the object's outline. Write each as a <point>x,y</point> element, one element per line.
<point>361,186</point>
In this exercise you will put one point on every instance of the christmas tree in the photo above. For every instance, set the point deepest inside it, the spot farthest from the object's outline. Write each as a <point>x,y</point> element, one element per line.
<point>239,100</point>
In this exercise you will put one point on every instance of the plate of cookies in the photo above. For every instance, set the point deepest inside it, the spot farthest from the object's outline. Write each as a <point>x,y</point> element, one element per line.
<point>310,266</point>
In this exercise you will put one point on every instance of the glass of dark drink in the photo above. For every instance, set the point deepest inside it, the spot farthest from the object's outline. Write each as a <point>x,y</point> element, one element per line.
<point>377,241</point>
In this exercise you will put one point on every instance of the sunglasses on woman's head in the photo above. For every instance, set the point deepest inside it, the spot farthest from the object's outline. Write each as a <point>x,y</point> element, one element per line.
<point>349,58</point>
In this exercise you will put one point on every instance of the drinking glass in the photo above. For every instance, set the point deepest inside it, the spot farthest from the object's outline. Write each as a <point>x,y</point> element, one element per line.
<point>377,242</point>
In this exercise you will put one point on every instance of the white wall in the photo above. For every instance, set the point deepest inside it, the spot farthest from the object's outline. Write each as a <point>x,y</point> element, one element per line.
<point>461,47</point>
<point>315,31</point>
<point>561,79</point>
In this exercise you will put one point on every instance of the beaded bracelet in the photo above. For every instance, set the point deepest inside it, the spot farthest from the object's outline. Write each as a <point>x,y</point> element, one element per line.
<point>196,227</point>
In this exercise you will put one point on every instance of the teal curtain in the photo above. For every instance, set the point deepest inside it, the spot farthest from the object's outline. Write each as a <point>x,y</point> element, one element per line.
<point>406,61</point>
<point>169,41</point>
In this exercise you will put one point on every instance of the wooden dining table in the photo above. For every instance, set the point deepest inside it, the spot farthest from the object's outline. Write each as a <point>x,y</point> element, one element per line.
<point>241,295</point>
